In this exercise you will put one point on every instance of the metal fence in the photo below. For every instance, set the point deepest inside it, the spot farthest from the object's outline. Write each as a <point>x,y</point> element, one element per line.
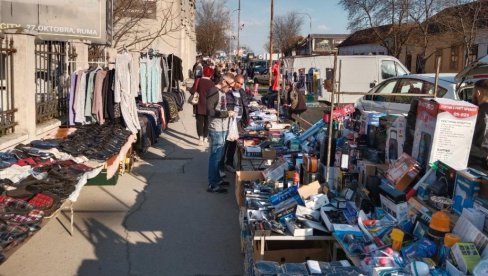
<point>51,80</point>
<point>7,109</point>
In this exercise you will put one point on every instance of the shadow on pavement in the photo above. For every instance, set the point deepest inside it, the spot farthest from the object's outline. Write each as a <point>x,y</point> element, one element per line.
<point>174,227</point>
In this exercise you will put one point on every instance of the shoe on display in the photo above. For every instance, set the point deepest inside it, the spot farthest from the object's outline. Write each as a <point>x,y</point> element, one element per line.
<point>230,168</point>
<point>222,173</point>
<point>217,189</point>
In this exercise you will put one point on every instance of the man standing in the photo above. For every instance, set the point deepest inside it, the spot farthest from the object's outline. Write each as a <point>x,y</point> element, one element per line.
<point>478,158</point>
<point>218,117</point>
<point>236,101</point>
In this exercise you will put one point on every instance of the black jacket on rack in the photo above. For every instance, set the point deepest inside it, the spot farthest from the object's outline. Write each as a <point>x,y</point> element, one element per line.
<point>176,65</point>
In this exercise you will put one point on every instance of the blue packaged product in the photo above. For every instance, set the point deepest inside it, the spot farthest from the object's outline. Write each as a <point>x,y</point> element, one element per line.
<point>423,248</point>
<point>284,195</point>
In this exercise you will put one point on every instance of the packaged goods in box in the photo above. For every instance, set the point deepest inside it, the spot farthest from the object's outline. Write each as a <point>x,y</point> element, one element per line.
<point>268,153</point>
<point>367,168</point>
<point>403,172</point>
<point>245,176</point>
<point>395,138</point>
<point>444,131</point>
<point>466,256</point>
<point>369,118</point>
<point>345,179</point>
<point>467,187</point>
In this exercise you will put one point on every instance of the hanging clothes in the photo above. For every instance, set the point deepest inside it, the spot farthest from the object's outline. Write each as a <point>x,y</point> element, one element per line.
<point>164,74</point>
<point>79,101</point>
<point>89,96</point>
<point>123,93</point>
<point>97,105</point>
<point>72,91</point>
<point>176,70</point>
<point>150,79</point>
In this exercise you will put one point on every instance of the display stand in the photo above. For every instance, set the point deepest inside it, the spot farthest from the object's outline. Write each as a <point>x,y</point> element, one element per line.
<point>111,165</point>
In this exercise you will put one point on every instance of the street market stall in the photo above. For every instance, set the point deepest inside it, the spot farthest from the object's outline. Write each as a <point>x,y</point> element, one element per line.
<point>387,195</point>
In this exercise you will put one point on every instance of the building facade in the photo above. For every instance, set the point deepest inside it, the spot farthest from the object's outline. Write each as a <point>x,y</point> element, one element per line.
<point>34,71</point>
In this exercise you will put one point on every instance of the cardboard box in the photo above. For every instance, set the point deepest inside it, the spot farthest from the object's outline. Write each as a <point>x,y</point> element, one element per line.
<point>398,210</point>
<point>344,179</point>
<point>245,176</point>
<point>444,131</point>
<point>395,138</point>
<point>297,231</point>
<point>291,251</point>
<point>306,191</point>
<point>467,187</point>
<point>466,256</point>
<point>403,172</point>
<point>367,168</point>
<point>369,118</point>
<point>268,153</point>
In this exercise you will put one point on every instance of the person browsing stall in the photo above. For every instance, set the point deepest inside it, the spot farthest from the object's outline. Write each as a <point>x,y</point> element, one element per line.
<point>202,86</point>
<point>478,157</point>
<point>236,101</point>
<point>218,118</point>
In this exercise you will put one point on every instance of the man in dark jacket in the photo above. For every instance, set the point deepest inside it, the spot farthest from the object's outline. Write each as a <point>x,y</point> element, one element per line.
<point>478,158</point>
<point>236,100</point>
<point>218,119</point>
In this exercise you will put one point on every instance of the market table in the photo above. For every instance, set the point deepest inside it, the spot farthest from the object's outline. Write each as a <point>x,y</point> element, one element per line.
<point>255,162</point>
<point>355,260</point>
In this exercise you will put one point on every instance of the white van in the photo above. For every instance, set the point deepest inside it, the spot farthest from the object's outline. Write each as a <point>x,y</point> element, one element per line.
<point>355,73</point>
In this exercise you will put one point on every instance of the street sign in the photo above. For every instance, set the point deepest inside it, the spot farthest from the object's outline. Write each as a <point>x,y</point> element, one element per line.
<point>89,20</point>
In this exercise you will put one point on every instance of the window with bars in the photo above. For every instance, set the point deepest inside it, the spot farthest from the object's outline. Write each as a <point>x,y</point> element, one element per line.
<point>7,108</point>
<point>51,80</point>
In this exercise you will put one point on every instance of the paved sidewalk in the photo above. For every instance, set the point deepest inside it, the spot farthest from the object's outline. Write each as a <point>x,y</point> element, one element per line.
<point>158,220</point>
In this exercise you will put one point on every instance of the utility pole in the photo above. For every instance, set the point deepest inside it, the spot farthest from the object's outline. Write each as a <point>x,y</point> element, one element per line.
<point>238,30</point>
<point>271,42</point>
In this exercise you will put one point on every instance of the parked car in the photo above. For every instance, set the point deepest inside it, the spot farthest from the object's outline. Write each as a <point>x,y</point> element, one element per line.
<point>403,85</point>
<point>262,78</point>
<point>468,76</point>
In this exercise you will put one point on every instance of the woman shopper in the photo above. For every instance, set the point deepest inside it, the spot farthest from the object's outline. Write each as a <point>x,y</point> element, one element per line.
<point>236,100</point>
<point>202,86</point>
<point>218,117</point>
<point>296,100</point>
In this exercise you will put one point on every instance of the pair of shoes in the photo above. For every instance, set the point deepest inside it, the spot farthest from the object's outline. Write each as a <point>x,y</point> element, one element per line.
<point>230,168</point>
<point>224,183</point>
<point>217,189</point>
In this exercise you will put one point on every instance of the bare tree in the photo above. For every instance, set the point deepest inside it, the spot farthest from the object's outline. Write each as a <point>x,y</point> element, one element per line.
<point>388,20</point>
<point>286,30</point>
<point>212,23</point>
<point>421,14</point>
<point>138,23</point>
<point>463,20</point>
<point>141,22</point>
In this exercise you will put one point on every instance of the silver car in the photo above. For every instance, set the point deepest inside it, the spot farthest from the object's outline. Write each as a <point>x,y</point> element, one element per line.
<point>398,87</point>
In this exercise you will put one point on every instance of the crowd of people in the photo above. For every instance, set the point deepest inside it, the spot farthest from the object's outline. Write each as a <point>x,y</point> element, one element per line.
<point>224,94</point>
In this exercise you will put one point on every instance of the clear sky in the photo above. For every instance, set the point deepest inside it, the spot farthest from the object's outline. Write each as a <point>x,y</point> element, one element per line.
<point>328,17</point>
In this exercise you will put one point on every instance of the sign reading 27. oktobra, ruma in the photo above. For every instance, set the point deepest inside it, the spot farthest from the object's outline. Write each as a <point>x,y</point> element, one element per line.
<point>88,20</point>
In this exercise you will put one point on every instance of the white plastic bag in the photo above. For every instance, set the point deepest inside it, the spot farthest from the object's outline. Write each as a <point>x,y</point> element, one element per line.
<point>233,131</point>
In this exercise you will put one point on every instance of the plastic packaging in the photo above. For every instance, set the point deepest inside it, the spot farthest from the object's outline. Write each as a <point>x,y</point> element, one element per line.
<point>397,239</point>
